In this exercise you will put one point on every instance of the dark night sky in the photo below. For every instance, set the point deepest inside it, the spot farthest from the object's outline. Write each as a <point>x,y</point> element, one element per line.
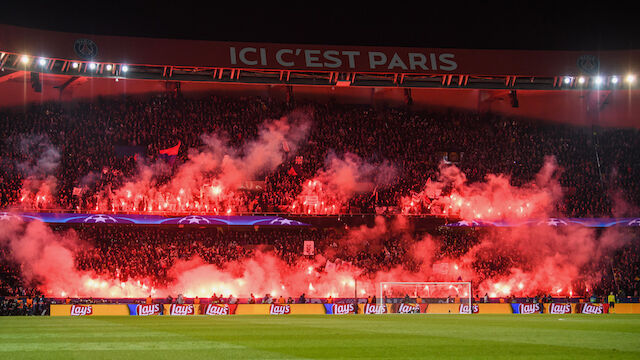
<point>507,25</point>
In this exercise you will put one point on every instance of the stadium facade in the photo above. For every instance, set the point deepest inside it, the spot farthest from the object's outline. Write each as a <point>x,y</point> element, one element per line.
<point>582,87</point>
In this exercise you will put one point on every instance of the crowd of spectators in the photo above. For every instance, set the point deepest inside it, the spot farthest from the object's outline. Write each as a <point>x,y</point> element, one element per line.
<point>128,252</point>
<point>600,174</point>
<point>25,305</point>
<point>621,270</point>
<point>136,252</point>
<point>16,297</point>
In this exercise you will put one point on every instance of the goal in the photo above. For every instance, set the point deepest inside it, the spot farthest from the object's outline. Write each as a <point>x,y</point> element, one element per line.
<point>441,297</point>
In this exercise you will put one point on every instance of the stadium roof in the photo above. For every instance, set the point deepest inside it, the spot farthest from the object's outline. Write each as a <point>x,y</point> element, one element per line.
<point>85,55</point>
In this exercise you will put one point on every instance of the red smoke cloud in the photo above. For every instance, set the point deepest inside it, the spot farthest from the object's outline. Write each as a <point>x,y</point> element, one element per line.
<point>339,180</point>
<point>208,180</point>
<point>540,260</point>
<point>493,199</point>
<point>499,261</point>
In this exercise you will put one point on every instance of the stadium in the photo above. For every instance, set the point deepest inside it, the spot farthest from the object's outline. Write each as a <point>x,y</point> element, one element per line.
<point>164,197</point>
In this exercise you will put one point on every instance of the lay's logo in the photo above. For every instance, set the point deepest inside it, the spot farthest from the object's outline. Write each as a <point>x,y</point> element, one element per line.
<point>375,309</point>
<point>342,309</point>
<point>216,309</point>
<point>81,310</point>
<point>149,309</point>
<point>469,309</point>
<point>275,309</point>
<point>559,308</point>
<point>181,309</point>
<point>408,309</point>
<point>592,309</point>
<point>528,308</point>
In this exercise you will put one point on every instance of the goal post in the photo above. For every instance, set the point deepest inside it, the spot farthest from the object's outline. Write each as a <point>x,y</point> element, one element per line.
<point>430,293</point>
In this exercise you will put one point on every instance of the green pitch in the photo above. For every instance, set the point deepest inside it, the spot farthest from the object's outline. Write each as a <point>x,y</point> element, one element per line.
<point>314,336</point>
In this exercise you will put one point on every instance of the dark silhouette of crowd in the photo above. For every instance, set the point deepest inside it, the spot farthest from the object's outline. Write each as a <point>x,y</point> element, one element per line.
<point>599,169</point>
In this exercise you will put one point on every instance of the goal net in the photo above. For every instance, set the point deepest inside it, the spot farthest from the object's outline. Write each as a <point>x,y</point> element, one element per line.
<point>440,297</point>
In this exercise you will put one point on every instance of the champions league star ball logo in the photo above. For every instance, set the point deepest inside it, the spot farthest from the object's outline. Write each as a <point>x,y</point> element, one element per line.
<point>8,217</point>
<point>556,222</point>
<point>194,219</point>
<point>100,218</point>
<point>282,221</point>
<point>466,223</point>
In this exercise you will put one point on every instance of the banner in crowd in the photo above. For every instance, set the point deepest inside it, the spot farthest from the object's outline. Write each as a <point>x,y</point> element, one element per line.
<point>339,309</point>
<point>145,309</point>
<point>526,308</point>
<point>559,309</point>
<point>172,151</point>
<point>81,310</point>
<point>220,309</point>
<point>589,308</point>
<point>73,218</point>
<point>253,185</point>
<point>308,248</point>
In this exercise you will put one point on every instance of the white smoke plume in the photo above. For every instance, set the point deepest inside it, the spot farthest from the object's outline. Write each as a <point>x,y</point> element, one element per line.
<point>41,160</point>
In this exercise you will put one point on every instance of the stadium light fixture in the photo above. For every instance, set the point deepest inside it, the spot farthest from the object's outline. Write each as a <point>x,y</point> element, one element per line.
<point>125,68</point>
<point>614,80</point>
<point>598,80</point>
<point>92,66</point>
<point>631,78</point>
<point>42,61</point>
<point>581,80</point>
<point>567,80</point>
<point>24,59</point>
<point>109,67</point>
<point>75,65</point>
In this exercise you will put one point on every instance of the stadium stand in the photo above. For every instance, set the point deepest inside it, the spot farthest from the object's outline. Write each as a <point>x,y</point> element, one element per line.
<point>80,150</point>
<point>597,163</point>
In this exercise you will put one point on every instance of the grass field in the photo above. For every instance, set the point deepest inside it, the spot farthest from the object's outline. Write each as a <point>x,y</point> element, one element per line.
<point>316,336</point>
